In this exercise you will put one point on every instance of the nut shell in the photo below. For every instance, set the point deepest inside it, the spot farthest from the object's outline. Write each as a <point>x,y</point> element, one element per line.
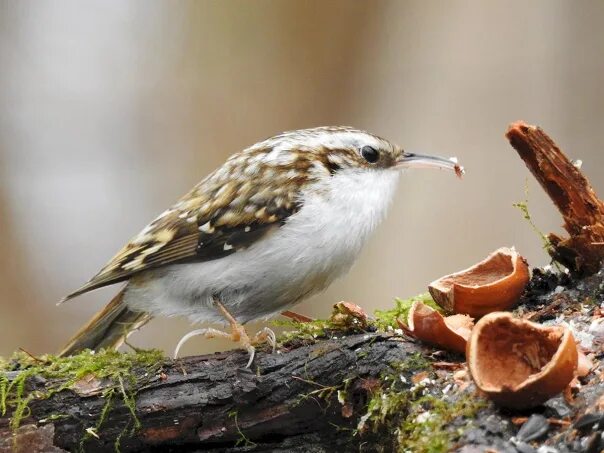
<point>450,333</point>
<point>494,284</point>
<point>347,314</point>
<point>520,364</point>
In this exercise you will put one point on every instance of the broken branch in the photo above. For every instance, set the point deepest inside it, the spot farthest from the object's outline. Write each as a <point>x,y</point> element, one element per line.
<point>571,192</point>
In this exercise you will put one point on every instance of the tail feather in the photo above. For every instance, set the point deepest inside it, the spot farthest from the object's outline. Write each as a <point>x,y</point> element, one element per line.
<point>108,328</point>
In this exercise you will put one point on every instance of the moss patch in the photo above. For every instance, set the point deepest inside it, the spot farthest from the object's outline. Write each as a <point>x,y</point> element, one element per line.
<point>307,332</point>
<point>108,372</point>
<point>429,424</point>
<point>423,418</point>
<point>345,318</point>
<point>387,318</point>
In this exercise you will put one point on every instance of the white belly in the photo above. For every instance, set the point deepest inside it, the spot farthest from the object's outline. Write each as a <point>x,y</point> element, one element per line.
<point>315,246</point>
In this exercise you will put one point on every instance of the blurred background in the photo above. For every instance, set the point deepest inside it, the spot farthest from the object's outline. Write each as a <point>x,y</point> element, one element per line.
<point>111,110</point>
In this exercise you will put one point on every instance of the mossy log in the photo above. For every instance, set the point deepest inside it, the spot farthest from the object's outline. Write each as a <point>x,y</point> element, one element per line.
<point>286,401</point>
<point>348,392</point>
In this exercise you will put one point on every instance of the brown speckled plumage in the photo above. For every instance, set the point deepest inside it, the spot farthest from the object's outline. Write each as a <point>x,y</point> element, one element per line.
<point>254,192</point>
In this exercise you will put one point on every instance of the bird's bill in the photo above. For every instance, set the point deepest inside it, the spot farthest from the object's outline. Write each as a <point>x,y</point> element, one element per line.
<point>413,160</point>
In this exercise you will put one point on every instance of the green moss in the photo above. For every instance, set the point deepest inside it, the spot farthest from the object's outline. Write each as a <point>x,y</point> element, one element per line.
<point>414,362</point>
<point>427,426</point>
<point>387,318</point>
<point>92,432</point>
<point>113,370</point>
<point>108,395</point>
<point>325,392</point>
<point>305,331</point>
<point>325,328</point>
<point>118,440</point>
<point>243,439</point>
<point>421,417</point>
<point>523,207</point>
<point>308,332</point>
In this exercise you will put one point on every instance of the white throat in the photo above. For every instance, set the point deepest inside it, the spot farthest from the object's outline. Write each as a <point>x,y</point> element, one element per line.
<point>337,218</point>
<point>356,202</point>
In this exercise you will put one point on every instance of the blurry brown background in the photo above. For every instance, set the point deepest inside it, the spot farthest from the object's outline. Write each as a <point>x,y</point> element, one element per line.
<point>110,110</point>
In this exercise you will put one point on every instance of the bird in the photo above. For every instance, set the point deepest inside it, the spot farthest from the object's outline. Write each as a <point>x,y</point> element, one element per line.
<point>275,224</point>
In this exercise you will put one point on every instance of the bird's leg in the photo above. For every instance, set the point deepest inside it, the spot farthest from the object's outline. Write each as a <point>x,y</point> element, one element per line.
<point>238,334</point>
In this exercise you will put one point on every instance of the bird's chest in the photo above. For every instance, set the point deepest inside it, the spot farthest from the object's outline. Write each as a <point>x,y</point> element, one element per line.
<point>322,240</point>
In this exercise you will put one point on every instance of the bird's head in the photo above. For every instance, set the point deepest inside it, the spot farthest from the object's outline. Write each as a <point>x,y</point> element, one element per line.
<point>271,179</point>
<point>348,150</point>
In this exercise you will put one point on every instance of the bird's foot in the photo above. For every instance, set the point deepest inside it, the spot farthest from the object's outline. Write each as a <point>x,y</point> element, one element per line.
<point>238,334</point>
<point>266,335</point>
<point>208,333</point>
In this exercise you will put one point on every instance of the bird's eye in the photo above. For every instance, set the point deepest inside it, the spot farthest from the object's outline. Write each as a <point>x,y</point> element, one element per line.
<point>370,154</point>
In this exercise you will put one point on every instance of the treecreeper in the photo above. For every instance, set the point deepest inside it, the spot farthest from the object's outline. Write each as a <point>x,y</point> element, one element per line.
<point>275,224</point>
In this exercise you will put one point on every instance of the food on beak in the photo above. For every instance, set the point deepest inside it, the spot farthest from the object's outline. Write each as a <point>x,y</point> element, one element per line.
<point>413,160</point>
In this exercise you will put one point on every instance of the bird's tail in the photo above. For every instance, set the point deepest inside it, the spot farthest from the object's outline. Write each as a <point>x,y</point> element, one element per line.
<point>108,328</point>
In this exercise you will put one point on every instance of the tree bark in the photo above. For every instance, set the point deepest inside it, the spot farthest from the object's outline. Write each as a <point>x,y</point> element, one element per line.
<point>212,403</point>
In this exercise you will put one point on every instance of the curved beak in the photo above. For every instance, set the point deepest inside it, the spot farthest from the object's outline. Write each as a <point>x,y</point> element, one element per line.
<point>413,160</point>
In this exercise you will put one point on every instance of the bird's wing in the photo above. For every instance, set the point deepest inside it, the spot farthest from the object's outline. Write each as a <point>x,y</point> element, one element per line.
<point>225,213</point>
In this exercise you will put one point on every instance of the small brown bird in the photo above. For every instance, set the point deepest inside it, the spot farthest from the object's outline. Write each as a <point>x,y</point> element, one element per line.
<point>273,225</point>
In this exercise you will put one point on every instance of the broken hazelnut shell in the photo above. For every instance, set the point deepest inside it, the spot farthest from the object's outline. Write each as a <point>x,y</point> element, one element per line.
<point>494,284</point>
<point>520,364</point>
<point>450,333</point>
<point>347,314</point>
<point>584,365</point>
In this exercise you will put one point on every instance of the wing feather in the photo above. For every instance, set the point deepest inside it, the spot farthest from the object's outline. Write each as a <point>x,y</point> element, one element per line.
<point>221,215</point>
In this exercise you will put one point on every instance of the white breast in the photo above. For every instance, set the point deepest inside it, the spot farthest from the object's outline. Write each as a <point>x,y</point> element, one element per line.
<point>316,245</point>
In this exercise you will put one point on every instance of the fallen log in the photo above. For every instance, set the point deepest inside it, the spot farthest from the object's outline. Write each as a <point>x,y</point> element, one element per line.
<point>286,400</point>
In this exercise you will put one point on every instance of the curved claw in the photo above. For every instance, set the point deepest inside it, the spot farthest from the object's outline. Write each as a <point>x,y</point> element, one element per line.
<point>252,352</point>
<point>266,335</point>
<point>213,333</point>
<point>208,333</point>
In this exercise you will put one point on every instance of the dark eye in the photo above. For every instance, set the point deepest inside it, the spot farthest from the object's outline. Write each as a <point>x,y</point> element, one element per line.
<point>370,154</point>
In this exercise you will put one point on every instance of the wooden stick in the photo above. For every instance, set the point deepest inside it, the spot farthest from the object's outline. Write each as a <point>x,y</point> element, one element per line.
<point>296,316</point>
